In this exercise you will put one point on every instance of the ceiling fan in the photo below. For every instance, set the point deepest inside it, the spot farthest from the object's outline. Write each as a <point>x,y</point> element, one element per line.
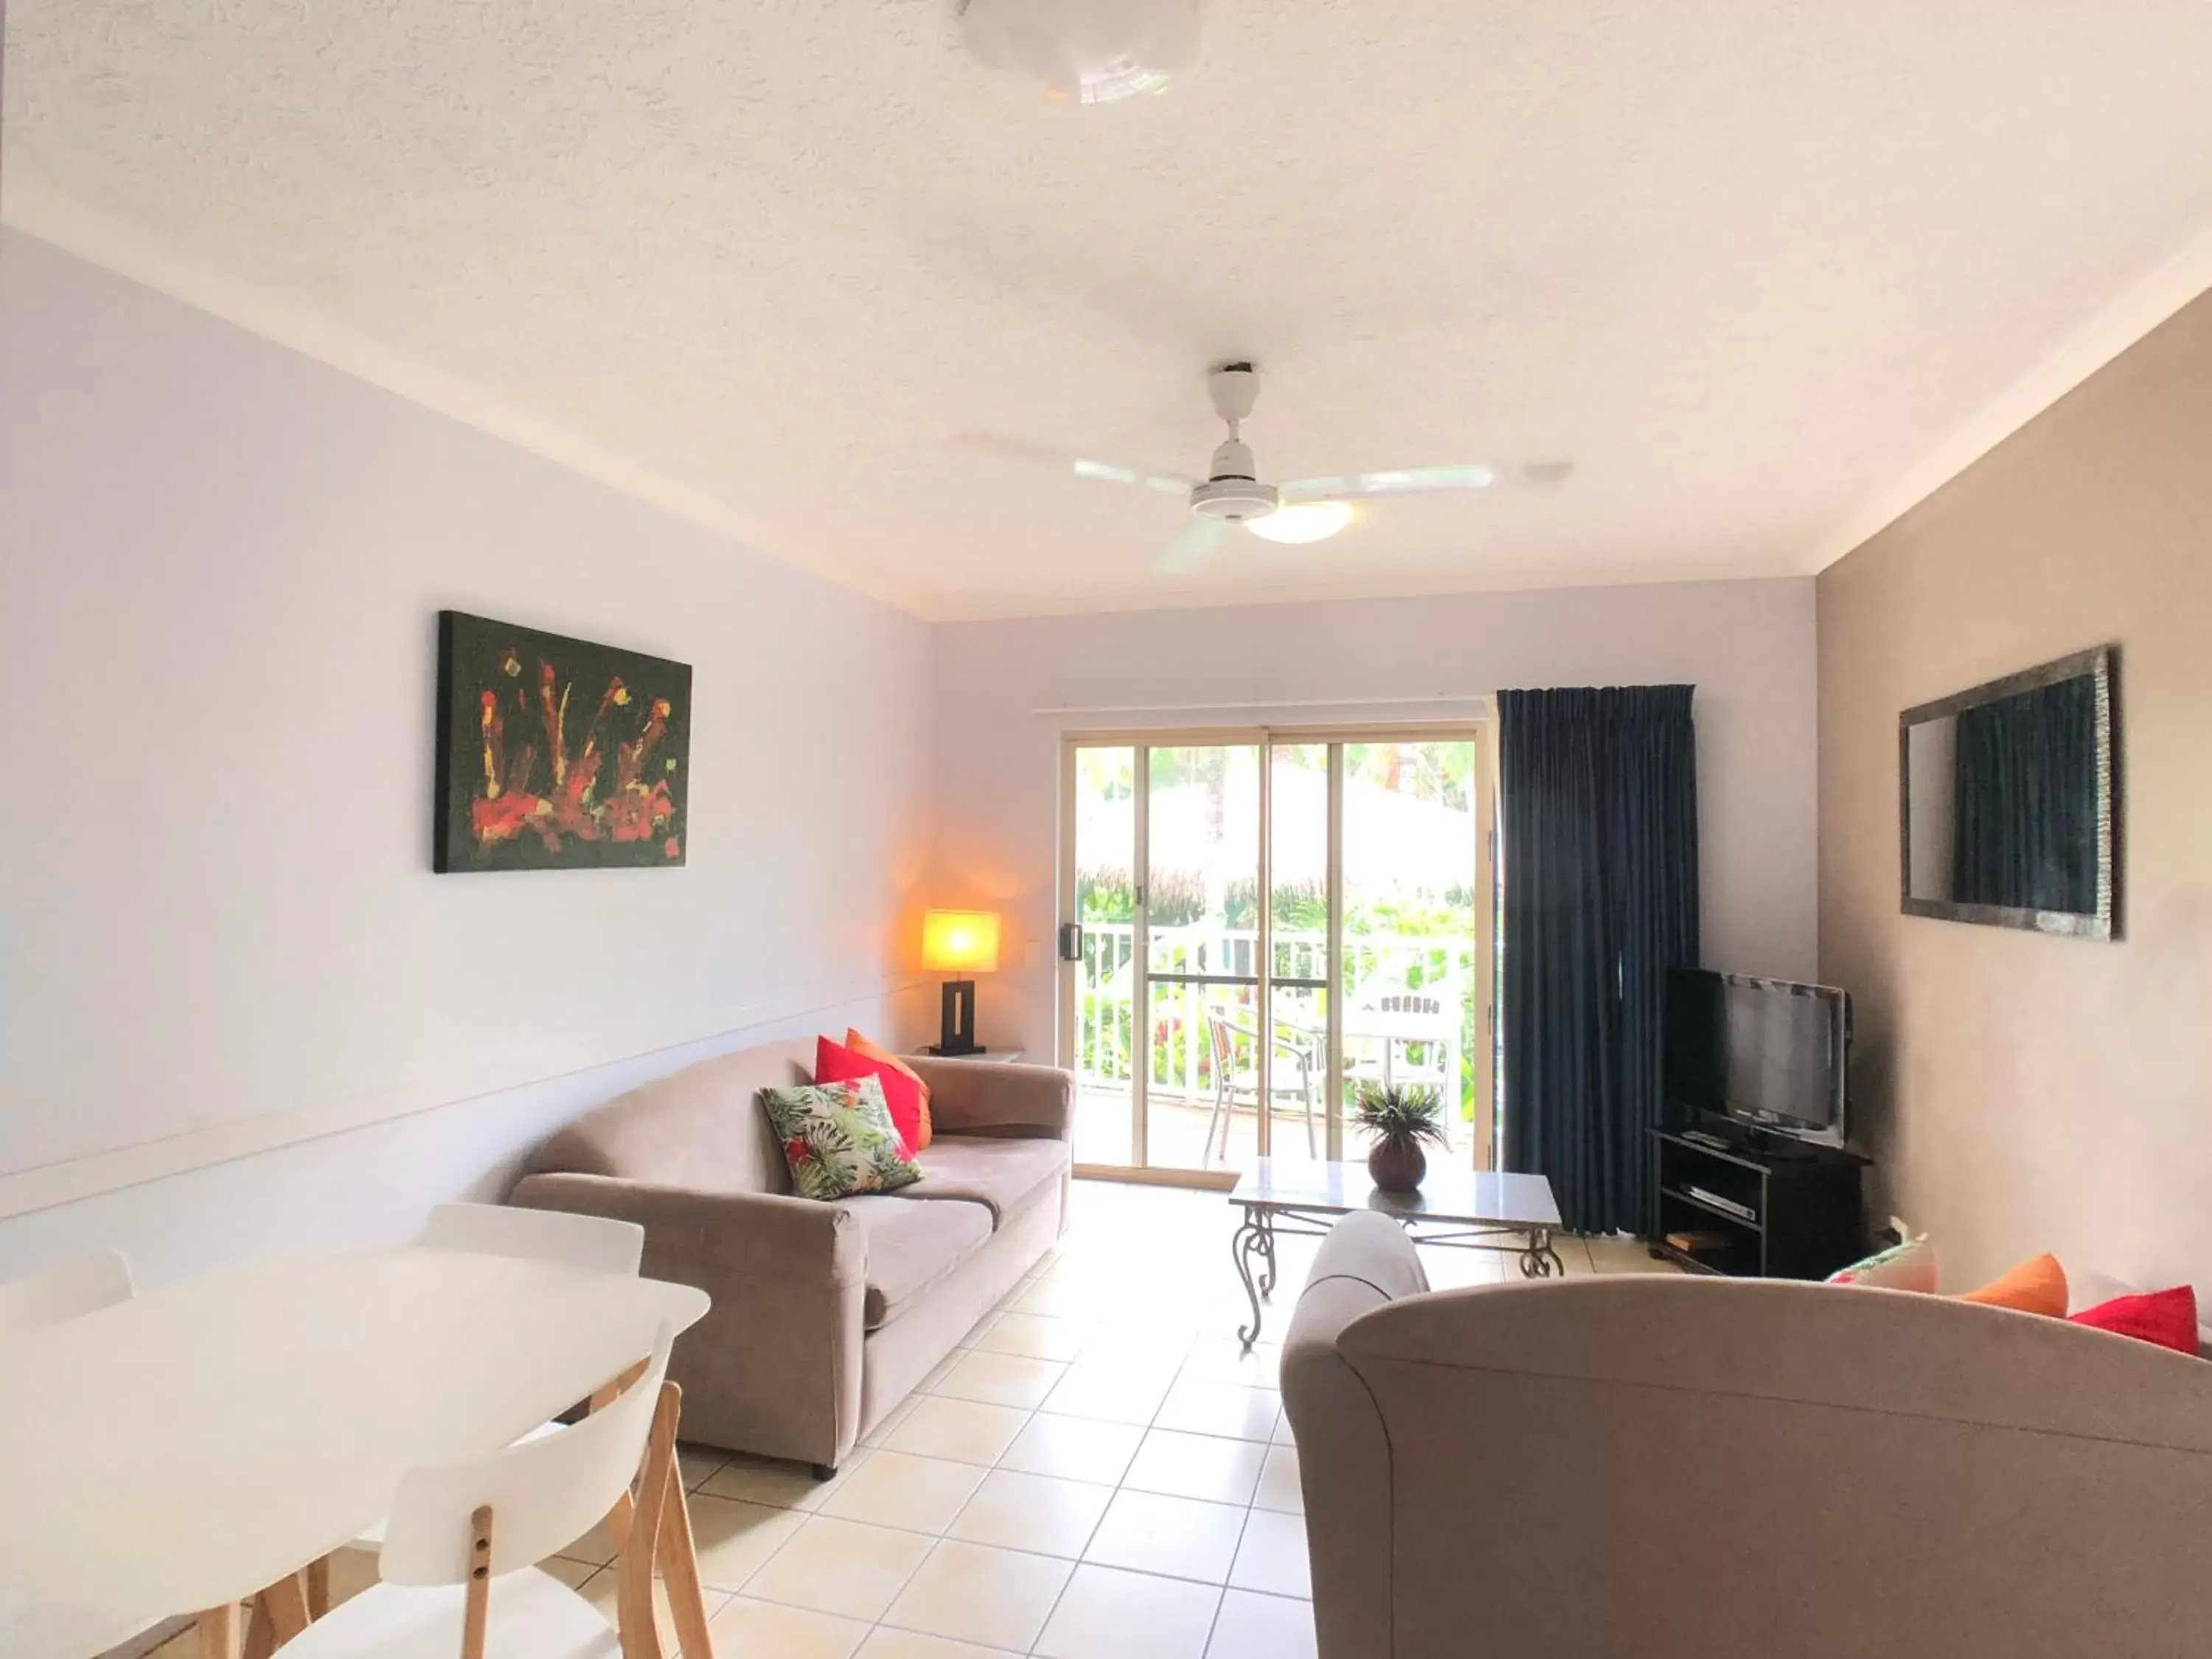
<point>1231,493</point>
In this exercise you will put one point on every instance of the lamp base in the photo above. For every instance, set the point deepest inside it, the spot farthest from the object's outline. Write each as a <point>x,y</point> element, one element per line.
<point>958,1025</point>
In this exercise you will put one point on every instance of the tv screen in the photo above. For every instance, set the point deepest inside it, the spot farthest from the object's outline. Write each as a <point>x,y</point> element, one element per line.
<point>1763,1051</point>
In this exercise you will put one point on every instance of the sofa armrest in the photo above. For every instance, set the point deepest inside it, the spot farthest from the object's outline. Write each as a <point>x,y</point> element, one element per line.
<point>740,1235</point>
<point>984,1096</point>
<point>1366,1262</point>
<point>774,1366</point>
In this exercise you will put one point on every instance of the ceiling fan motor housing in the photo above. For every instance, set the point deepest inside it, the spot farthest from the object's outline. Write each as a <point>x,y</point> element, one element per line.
<point>1233,491</point>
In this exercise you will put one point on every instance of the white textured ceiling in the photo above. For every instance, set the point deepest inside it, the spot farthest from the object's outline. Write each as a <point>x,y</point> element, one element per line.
<point>1750,265</point>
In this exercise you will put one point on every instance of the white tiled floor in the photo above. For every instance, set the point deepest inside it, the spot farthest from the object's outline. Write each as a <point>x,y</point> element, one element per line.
<point>1100,1473</point>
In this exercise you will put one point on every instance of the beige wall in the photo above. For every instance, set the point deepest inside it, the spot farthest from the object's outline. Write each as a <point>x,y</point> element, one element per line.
<point>2021,1092</point>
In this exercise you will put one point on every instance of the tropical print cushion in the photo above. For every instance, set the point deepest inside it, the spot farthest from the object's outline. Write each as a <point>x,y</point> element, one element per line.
<point>839,1140</point>
<point>1907,1267</point>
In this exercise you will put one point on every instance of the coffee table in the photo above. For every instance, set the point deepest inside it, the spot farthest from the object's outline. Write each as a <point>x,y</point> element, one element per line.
<point>1463,1209</point>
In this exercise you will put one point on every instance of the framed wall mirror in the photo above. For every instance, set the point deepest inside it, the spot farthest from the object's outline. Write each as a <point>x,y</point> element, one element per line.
<point>2008,801</point>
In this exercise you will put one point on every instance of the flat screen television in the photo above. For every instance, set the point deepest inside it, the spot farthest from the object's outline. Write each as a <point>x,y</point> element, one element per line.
<point>1766,1053</point>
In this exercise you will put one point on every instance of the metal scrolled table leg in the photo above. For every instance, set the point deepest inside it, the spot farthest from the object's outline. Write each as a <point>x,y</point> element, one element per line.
<point>1539,1260</point>
<point>1255,1235</point>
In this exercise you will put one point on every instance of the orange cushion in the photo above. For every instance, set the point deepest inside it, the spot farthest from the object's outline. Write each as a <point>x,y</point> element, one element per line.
<point>861,1045</point>
<point>2037,1287</point>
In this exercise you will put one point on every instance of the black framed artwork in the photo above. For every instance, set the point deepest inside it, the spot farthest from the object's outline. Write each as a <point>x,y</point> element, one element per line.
<point>557,754</point>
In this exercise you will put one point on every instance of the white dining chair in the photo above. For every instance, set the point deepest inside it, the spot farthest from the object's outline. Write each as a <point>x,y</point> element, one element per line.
<point>458,1569</point>
<point>32,1629</point>
<point>593,1242</point>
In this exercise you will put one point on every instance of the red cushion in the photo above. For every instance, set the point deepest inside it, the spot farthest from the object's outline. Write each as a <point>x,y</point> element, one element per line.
<point>2165,1318</point>
<point>835,1063</point>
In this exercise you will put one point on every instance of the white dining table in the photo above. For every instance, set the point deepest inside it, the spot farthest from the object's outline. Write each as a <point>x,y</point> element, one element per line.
<point>185,1449</point>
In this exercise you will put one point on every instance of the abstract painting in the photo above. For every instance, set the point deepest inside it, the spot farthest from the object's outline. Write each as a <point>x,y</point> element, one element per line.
<point>557,754</point>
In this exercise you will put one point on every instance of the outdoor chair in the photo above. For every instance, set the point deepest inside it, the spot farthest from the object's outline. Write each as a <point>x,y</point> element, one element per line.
<point>1399,1022</point>
<point>1233,1087</point>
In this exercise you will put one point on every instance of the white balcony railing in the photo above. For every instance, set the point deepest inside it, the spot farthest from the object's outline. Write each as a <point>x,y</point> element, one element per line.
<point>1377,967</point>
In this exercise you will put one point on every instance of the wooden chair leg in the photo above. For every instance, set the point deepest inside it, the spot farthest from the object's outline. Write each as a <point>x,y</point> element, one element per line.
<point>608,1392</point>
<point>476,1609</point>
<point>218,1632</point>
<point>260,1630</point>
<point>319,1588</point>
<point>279,1613</point>
<point>618,1517</point>
<point>634,1622</point>
<point>678,1557</point>
<point>287,1601</point>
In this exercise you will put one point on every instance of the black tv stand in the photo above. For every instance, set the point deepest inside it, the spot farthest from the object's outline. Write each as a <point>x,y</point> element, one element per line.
<point>1777,1148</point>
<point>1769,1206</point>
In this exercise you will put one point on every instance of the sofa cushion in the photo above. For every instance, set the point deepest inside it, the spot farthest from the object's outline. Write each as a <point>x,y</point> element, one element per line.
<point>2165,1318</point>
<point>1000,1171</point>
<point>2037,1285</point>
<point>839,1140</point>
<point>835,1063</point>
<point>1907,1267</point>
<point>911,1247</point>
<point>2087,1288</point>
<point>868,1050</point>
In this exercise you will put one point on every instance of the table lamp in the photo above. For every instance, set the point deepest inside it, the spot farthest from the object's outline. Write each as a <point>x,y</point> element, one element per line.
<point>961,943</point>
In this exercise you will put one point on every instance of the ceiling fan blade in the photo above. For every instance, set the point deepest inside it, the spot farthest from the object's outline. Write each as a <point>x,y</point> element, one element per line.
<point>1416,480</point>
<point>1194,546</point>
<point>1022,451</point>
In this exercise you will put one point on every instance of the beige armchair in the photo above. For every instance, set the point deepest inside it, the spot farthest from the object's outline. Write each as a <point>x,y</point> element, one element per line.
<point>825,1315</point>
<point>1672,1468</point>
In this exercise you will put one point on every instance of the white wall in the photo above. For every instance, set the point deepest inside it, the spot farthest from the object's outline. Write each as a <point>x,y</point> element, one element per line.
<point>220,568</point>
<point>1007,692</point>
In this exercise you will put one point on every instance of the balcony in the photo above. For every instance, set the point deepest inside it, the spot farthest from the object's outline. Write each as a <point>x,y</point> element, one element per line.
<point>1409,1018</point>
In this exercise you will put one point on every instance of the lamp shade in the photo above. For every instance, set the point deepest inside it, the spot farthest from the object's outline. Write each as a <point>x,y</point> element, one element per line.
<point>960,941</point>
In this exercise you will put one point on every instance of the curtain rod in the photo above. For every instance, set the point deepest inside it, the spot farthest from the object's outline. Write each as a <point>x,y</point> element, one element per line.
<point>1482,697</point>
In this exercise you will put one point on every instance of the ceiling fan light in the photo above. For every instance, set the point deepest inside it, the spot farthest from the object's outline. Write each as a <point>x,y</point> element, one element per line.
<point>1084,51</point>
<point>1303,521</point>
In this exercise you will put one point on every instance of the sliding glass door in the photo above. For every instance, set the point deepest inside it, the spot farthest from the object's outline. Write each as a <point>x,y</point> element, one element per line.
<point>1202,954</point>
<point>1267,922</point>
<point>1413,912</point>
<point>1099,970</point>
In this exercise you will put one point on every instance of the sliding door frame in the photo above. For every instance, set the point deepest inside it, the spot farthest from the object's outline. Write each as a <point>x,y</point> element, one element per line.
<point>1480,730</point>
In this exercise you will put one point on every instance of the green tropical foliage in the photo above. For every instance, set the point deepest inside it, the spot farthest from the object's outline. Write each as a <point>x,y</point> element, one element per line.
<point>1416,939</point>
<point>838,1139</point>
<point>1107,896</point>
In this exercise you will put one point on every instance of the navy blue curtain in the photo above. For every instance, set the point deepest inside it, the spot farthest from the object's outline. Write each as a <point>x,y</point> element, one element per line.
<point>1598,803</point>
<point>2025,797</point>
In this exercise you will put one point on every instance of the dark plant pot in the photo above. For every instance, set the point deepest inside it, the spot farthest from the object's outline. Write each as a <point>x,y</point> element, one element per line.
<point>1397,1166</point>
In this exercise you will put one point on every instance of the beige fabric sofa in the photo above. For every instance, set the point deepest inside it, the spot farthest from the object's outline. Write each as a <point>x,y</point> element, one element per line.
<point>1668,1468</point>
<point>825,1315</point>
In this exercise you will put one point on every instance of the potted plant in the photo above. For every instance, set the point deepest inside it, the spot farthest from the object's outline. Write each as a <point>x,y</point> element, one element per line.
<point>1401,1119</point>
